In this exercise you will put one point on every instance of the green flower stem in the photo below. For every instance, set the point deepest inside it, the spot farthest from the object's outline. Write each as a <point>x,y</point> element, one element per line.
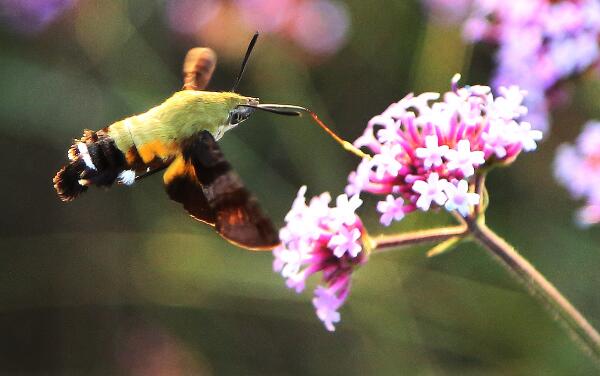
<point>480,190</point>
<point>560,308</point>
<point>388,242</point>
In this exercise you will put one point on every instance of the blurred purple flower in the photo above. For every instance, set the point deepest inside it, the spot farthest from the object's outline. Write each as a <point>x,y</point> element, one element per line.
<point>448,11</point>
<point>321,26</point>
<point>319,238</point>
<point>32,16</point>
<point>188,16</point>
<point>577,167</point>
<point>426,153</point>
<point>268,16</point>
<point>558,38</point>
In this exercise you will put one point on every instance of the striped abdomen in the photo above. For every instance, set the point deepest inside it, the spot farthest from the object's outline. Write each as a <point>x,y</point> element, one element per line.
<point>117,153</point>
<point>95,160</point>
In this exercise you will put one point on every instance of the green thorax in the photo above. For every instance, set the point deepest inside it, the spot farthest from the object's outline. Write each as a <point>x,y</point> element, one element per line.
<point>179,117</point>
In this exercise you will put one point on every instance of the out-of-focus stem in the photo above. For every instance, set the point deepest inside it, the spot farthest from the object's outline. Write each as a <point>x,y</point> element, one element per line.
<point>480,190</point>
<point>388,242</point>
<point>560,308</point>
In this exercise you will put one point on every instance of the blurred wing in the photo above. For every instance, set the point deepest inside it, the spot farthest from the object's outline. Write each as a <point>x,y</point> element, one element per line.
<point>239,218</point>
<point>222,199</point>
<point>183,186</point>
<point>198,67</point>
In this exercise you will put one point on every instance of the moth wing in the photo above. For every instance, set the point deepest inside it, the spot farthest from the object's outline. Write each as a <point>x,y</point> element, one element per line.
<point>183,186</point>
<point>238,216</point>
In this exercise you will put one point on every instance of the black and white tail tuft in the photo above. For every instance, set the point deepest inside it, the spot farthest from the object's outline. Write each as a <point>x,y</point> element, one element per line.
<point>95,160</point>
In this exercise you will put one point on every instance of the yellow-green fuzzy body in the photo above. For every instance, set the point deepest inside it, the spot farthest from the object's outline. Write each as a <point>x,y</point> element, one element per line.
<point>159,131</point>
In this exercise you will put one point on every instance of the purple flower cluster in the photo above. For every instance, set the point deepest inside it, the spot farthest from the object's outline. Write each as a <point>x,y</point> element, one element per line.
<point>558,38</point>
<point>426,152</point>
<point>32,16</point>
<point>318,26</point>
<point>577,167</point>
<point>319,238</point>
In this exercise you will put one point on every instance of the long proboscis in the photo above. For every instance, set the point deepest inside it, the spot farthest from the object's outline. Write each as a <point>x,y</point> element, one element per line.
<point>288,110</point>
<point>292,110</point>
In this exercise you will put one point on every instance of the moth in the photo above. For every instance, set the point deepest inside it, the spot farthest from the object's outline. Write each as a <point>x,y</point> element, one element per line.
<point>180,136</point>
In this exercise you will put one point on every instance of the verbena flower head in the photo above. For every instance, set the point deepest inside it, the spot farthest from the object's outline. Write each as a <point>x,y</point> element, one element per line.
<point>319,238</point>
<point>558,38</point>
<point>427,150</point>
<point>577,167</point>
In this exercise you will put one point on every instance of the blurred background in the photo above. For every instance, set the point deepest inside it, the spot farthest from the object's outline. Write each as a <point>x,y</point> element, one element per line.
<point>123,282</point>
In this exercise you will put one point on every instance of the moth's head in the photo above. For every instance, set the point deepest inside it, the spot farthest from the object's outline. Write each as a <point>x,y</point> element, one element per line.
<point>242,110</point>
<point>241,107</point>
<point>236,110</point>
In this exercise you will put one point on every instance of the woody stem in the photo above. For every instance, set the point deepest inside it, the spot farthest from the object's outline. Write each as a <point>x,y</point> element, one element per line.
<point>565,313</point>
<point>560,308</point>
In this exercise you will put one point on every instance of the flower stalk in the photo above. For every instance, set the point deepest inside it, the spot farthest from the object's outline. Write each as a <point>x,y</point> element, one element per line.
<point>425,156</point>
<point>565,313</point>
<point>389,242</point>
<point>474,227</point>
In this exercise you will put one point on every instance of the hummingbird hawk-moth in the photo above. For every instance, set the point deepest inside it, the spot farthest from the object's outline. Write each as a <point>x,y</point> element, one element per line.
<point>180,135</point>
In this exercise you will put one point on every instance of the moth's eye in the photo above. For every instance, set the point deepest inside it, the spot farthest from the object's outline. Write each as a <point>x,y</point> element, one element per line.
<point>239,114</point>
<point>234,117</point>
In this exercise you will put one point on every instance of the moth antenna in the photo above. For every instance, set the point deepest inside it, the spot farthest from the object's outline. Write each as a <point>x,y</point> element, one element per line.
<point>291,110</point>
<point>245,61</point>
